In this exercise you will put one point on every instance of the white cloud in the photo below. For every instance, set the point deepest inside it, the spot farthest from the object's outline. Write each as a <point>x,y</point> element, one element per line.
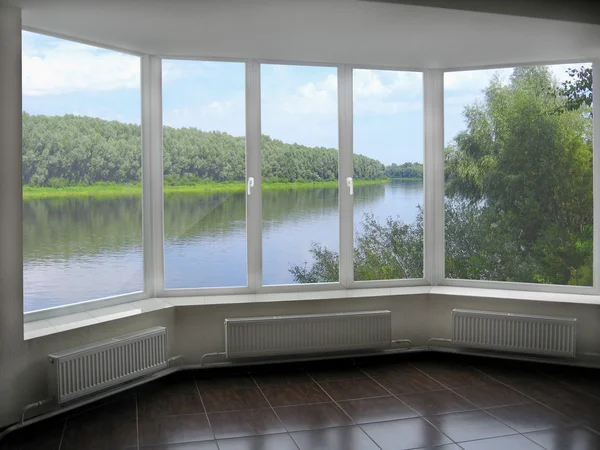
<point>227,116</point>
<point>304,113</point>
<point>368,83</point>
<point>309,99</point>
<point>472,80</point>
<point>173,70</point>
<point>379,107</point>
<point>384,92</point>
<point>221,108</point>
<point>385,83</point>
<point>330,82</point>
<point>375,92</point>
<point>65,67</point>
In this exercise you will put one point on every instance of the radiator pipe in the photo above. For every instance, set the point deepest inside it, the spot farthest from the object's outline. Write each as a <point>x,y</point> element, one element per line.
<point>89,400</point>
<point>173,358</point>
<point>437,340</point>
<point>403,341</point>
<point>35,405</point>
<point>389,351</point>
<point>206,355</point>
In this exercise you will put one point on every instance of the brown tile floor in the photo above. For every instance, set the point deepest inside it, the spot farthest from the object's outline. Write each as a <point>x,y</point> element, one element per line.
<point>418,401</point>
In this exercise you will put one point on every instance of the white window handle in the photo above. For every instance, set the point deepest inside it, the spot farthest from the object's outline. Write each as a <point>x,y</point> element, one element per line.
<point>350,184</point>
<point>250,184</point>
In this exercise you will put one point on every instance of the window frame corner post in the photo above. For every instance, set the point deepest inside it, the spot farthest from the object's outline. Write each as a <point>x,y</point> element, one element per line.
<point>345,170</point>
<point>254,170</point>
<point>596,175</point>
<point>152,176</point>
<point>433,183</point>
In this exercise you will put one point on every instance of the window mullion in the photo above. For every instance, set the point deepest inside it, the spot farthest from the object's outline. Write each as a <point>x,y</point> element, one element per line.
<point>596,175</point>
<point>433,215</point>
<point>152,175</point>
<point>253,170</point>
<point>345,170</point>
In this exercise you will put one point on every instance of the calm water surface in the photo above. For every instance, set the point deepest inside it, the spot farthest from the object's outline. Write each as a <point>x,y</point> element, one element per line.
<point>80,249</point>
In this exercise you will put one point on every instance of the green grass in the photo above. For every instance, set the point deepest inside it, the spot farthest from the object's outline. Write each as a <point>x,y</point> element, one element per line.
<point>109,190</point>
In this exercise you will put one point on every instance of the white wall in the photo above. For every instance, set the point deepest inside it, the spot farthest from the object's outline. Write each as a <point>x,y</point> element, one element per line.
<point>13,360</point>
<point>195,330</point>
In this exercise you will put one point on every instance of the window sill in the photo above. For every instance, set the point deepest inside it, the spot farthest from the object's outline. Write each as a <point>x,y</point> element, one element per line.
<point>505,294</point>
<point>46,327</point>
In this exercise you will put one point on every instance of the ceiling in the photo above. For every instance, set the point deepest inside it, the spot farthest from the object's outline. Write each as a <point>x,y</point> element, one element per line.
<point>584,11</point>
<point>329,31</point>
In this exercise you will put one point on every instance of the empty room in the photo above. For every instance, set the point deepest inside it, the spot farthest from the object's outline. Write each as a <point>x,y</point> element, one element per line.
<point>299,225</point>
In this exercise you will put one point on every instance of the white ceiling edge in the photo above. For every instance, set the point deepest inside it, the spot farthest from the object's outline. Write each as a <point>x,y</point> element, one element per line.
<point>320,31</point>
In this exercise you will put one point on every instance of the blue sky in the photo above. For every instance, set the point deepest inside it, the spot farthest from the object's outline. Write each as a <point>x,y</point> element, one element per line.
<point>298,103</point>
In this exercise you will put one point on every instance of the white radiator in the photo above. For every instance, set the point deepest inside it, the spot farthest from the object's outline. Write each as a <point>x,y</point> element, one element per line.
<point>85,370</point>
<point>519,333</point>
<point>316,333</point>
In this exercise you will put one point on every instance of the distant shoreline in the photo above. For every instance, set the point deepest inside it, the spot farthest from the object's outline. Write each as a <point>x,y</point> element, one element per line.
<point>109,190</point>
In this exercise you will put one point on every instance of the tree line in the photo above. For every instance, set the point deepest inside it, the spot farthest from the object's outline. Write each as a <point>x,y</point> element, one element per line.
<point>412,170</point>
<point>77,150</point>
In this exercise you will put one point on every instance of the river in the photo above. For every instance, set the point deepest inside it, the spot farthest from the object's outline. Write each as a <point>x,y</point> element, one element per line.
<point>80,249</point>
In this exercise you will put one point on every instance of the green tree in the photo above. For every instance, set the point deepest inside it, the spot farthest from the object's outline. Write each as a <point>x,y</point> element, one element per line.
<point>530,170</point>
<point>70,150</point>
<point>406,170</point>
<point>383,251</point>
<point>578,89</point>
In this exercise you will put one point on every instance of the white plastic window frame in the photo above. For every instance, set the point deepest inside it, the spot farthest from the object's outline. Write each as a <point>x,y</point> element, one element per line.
<point>347,207</point>
<point>518,286</point>
<point>433,128</point>
<point>87,305</point>
<point>254,201</point>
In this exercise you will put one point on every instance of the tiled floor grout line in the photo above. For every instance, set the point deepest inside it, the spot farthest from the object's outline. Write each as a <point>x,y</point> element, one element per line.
<point>205,411</point>
<point>273,409</point>
<point>487,412</point>
<point>482,409</point>
<point>62,436</point>
<point>407,405</point>
<point>390,392</point>
<point>578,399</point>
<point>533,400</point>
<point>451,390</point>
<point>343,410</point>
<point>577,421</point>
<point>251,409</point>
<point>571,386</point>
<point>496,437</point>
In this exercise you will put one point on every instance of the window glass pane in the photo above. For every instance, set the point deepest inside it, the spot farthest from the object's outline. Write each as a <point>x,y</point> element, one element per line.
<point>388,174</point>
<point>300,174</point>
<point>204,174</point>
<point>519,174</point>
<point>82,211</point>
